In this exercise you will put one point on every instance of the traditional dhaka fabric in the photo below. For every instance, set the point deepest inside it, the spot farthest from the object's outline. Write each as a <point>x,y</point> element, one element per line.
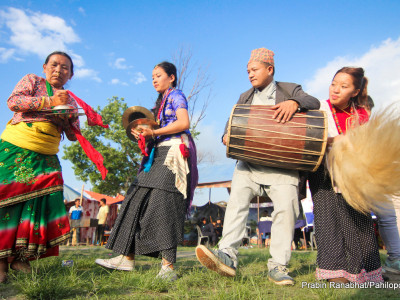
<point>33,218</point>
<point>26,101</point>
<point>262,55</point>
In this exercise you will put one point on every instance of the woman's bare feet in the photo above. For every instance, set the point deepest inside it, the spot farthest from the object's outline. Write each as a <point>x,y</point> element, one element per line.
<point>3,270</point>
<point>22,266</point>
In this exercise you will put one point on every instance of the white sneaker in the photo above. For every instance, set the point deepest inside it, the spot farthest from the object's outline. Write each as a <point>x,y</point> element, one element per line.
<point>117,263</point>
<point>166,273</point>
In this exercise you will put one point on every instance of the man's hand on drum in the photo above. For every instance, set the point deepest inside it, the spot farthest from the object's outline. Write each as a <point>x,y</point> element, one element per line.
<point>144,131</point>
<point>284,110</point>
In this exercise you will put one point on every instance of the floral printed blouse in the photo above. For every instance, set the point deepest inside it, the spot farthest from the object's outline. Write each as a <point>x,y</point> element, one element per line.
<point>176,100</point>
<point>26,103</point>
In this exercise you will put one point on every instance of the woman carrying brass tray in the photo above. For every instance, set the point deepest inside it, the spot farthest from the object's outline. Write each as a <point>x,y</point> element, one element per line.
<point>33,219</point>
<point>152,215</point>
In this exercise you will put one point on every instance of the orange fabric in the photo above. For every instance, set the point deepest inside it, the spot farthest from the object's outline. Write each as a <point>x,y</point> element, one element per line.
<point>109,200</point>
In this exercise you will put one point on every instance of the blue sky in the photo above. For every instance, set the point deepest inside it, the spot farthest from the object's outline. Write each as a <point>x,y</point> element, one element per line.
<point>115,45</point>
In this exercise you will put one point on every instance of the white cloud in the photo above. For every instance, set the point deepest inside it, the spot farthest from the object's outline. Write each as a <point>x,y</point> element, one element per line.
<point>116,81</point>
<point>87,73</point>
<point>82,11</point>
<point>381,65</point>
<point>215,166</point>
<point>214,157</point>
<point>138,78</point>
<point>6,54</point>
<point>120,63</point>
<point>36,32</point>
<point>77,59</point>
<point>40,34</point>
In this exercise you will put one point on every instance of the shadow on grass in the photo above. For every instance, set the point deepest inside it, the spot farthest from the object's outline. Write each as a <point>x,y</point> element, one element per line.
<point>8,290</point>
<point>188,263</point>
<point>50,281</point>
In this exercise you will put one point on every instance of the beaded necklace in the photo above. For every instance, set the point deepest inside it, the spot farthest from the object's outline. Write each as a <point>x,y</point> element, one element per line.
<point>337,120</point>
<point>162,105</point>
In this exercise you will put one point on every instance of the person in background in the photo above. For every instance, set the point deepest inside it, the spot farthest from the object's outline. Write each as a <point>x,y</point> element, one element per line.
<point>102,221</point>
<point>218,228</point>
<point>207,229</point>
<point>33,219</point>
<point>266,216</point>
<point>75,215</point>
<point>387,224</point>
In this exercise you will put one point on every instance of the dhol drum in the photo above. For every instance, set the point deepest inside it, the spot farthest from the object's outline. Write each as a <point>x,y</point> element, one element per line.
<point>255,137</point>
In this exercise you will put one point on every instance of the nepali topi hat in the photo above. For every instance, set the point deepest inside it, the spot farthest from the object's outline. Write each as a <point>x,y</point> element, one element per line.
<point>262,55</point>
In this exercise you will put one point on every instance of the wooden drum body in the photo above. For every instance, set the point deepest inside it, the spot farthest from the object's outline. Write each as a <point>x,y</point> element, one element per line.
<point>255,137</point>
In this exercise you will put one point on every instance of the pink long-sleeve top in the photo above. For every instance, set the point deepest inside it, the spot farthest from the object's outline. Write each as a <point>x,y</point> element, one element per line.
<point>26,101</point>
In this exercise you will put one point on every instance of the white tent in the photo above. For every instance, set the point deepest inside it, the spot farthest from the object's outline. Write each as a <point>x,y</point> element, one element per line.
<point>71,194</point>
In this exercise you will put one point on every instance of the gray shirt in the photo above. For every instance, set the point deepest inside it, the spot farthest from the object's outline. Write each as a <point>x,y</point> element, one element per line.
<point>265,97</point>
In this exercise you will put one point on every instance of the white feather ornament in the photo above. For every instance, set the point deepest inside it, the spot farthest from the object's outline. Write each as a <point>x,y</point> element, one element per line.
<point>365,162</point>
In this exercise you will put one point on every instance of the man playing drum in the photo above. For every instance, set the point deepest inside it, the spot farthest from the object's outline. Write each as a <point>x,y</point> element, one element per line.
<point>250,180</point>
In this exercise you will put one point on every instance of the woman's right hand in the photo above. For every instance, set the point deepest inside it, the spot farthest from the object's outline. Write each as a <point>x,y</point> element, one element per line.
<point>60,97</point>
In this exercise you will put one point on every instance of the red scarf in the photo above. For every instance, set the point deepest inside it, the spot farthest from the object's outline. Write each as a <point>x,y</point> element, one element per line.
<point>93,119</point>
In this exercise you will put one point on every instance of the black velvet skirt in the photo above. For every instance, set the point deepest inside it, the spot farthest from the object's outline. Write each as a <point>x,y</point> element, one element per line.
<point>151,218</point>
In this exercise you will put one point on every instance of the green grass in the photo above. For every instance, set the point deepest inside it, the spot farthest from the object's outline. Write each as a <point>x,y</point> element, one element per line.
<point>86,280</point>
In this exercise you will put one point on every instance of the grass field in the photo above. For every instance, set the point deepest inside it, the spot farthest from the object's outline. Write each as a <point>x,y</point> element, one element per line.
<point>86,280</point>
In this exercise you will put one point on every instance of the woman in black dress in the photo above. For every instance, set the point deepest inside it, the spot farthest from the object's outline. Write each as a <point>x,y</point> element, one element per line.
<point>152,215</point>
<point>347,247</point>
